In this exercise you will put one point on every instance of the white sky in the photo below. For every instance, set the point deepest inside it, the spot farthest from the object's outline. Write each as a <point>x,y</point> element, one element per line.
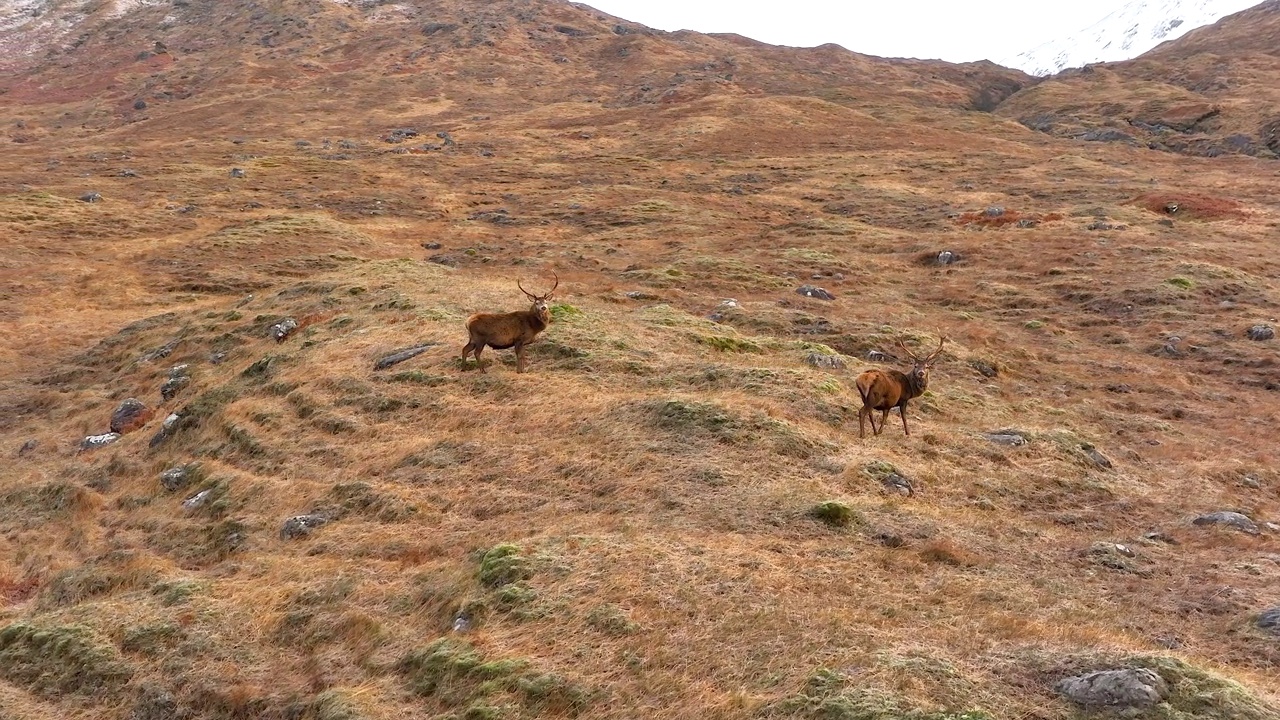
<point>954,30</point>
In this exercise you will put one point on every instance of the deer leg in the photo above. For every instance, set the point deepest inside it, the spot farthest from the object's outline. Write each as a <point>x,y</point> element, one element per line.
<point>479,349</point>
<point>862,425</point>
<point>884,417</point>
<point>902,410</point>
<point>520,357</point>
<point>466,350</point>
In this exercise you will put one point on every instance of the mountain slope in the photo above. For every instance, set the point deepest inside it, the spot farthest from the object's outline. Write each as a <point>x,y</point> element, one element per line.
<point>1209,93</point>
<point>1135,28</point>
<point>670,514</point>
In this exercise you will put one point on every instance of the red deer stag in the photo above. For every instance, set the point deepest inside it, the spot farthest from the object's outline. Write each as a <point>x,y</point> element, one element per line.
<point>884,390</point>
<point>509,330</point>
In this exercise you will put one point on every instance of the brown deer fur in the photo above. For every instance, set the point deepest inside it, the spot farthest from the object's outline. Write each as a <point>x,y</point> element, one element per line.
<point>884,390</point>
<point>509,330</point>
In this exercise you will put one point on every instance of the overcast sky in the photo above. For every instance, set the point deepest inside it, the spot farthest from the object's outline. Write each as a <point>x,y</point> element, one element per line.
<point>954,30</point>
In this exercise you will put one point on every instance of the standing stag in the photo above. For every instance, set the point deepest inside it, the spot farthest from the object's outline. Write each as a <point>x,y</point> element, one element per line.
<point>884,390</point>
<point>509,330</point>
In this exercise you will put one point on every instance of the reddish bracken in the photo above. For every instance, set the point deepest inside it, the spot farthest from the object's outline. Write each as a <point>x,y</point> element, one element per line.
<point>509,330</point>
<point>1191,206</point>
<point>1008,217</point>
<point>884,390</point>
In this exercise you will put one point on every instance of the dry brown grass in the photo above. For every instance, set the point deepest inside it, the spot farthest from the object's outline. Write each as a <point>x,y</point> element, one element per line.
<point>655,470</point>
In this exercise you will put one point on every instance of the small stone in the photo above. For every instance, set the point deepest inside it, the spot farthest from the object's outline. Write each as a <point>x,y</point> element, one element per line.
<point>431,245</point>
<point>947,257</point>
<point>129,416</point>
<point>461,622</point>
<point>1028,223</point>
<point>176,478</point>
<point>28,447</point>
<point>96,441</point>
<point>814,292</point>
<point>1171,207</point>
<point>1261,332</point>
<point>877,356</point>
<point>195,501</point>
<point>301,526</point>
<point>446,137</point>
<point>1155,536</point>
<point>1118,689</point>
<point>1098,458</point>
<point>1235,520</point>
<point>984,368</point>
<point>1251,482</point>
<point>217,358</point>
<point>128,173</point>
<point>91,197</point>
<point>891,540</point>
<point>446,260</point>
<point>993,211</point>
<point>828,362</point>
<point>139,104</point>
<point>1269,621</point>
<point>640,295</point>
<point>283,329</point>
<point>237,172</point>
<point>161,352</point>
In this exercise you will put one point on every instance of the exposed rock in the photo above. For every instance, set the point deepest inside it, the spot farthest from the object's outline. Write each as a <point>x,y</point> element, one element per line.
<point>176,478</point>
<point>128,173</point>
<point>301,526</point>
<point>1108,135</point>
<point>725,306</point>
<point>161,352</point>
<point>641,295</point>
<point>178,379</point>
<point>283,329</point>
<point>877,356</point>
<point>400,135</point>
<point>947,257</point>
<point>91,197</point>
<point>993,211</point>
<point>432,245</point>
<point>1006,437</point>
<point>1230,519</point>
<point>166,430</point>
<point>401,355</point>
<point>446,260</point>
<point>1098,458</point>
<point>814,292</point>
<point>897,484</point>
<point>497,217</point>
<point>891,540</point>
<point>1269,621</point>
<point>1261,332</point>
<point>196,501</point>
<point>829,362</point>
<point>237,172</point>
<point>446,137</point>
<point>28,447</point>
<point>984,368</point>
<point>139,104</point>
<point>1156,536</point>
<point>217,358</point>
<point>1117,689</point>
<point>130,415</point>
<point>96,441</point>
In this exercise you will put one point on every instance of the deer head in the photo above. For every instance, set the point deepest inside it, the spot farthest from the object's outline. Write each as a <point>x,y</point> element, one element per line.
<point>540,301</point>
<point>920,367</point>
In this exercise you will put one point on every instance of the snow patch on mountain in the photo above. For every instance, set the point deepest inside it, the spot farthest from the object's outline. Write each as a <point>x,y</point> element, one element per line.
<point>1135,28</point>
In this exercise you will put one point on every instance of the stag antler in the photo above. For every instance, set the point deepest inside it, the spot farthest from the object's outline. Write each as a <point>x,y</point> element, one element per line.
<point>908,350</point>
<point>553,287</point>
<point>936,352</point>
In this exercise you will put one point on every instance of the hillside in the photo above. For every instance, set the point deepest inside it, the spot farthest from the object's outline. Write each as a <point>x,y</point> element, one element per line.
<point>1209,93</point>
<point>670,514</point>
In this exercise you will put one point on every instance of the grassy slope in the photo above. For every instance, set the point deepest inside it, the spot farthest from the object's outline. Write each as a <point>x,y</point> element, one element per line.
<point>655,470</point>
